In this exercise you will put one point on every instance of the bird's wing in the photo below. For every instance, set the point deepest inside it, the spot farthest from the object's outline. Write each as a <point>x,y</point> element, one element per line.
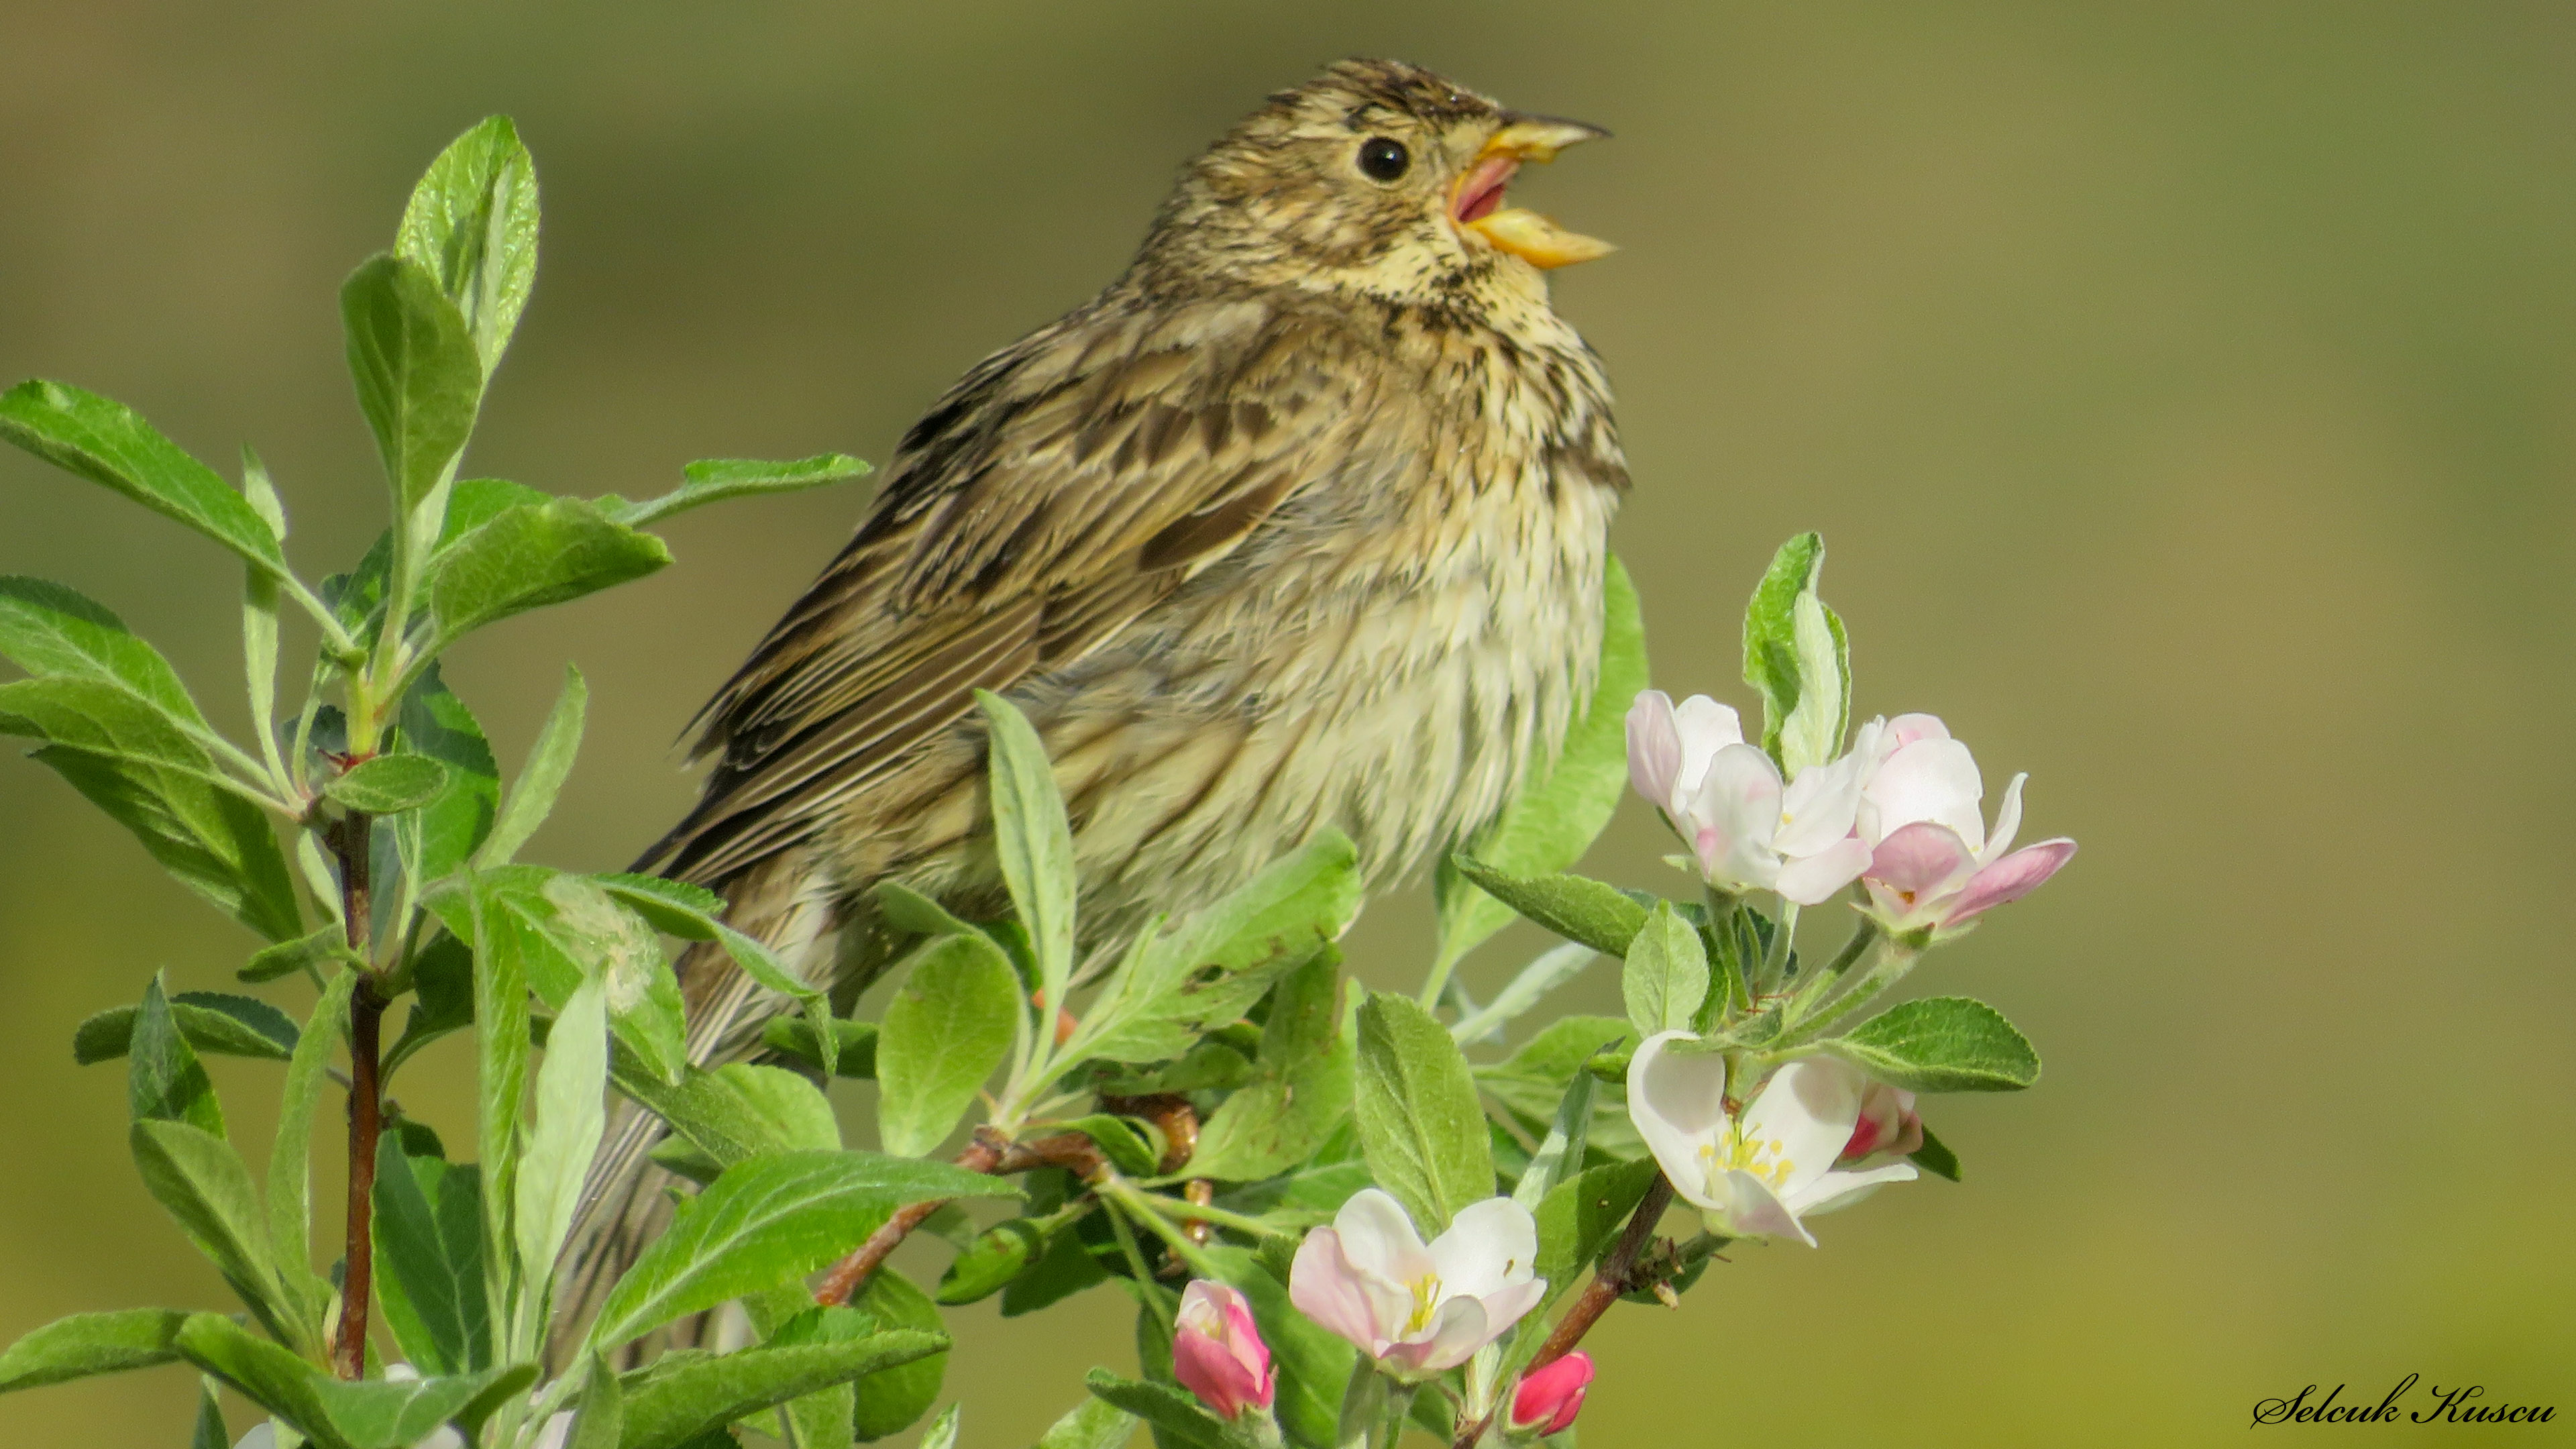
<point>1061,489</point>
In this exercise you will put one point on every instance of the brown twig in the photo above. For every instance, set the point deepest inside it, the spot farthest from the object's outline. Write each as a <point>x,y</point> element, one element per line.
<point>350,842</point>
<point>1616,1275</point>
<point>987,1154</point>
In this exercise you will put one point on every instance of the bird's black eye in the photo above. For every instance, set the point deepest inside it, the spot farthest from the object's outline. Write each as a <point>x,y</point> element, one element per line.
<point>1382,159</point>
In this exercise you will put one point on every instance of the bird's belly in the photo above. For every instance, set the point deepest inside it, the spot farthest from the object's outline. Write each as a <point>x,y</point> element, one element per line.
<point>1400,707</point>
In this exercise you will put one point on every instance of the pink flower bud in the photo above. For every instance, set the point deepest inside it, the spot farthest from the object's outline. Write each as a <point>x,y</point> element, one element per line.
<point>1888,1127</point>
<point>1550,1397</point>
<point>1217,1352</point>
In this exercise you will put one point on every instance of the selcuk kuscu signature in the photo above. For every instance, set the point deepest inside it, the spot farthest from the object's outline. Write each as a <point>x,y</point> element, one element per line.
<point>2449,1406</point>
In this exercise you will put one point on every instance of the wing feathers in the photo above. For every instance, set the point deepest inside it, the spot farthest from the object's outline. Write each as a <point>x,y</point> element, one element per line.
<point>1063,488</point>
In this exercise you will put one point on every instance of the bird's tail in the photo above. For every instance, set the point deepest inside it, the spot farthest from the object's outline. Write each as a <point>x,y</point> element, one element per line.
<point>626,1200</point>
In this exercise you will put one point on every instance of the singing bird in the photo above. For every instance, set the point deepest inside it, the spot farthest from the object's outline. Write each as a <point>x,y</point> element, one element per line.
<point>1300,523</point>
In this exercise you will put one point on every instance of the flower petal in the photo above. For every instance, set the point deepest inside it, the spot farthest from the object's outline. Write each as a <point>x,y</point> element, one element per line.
<point>1838,1190</point>
<point>1217,1352</point>
<point>1818,807</point>
<point>1905,729</point>
<point>1807,1113</point>
<point>1812,881</point>
<point>1489,1245</point>
<point>2009,879</point>
<point>1752,1210</point>
<point>1326,1288</point>
<point>1378,1238</point>
<point>1678,1104</point>
<point>1706,727</point>
<point>1734,815</point>
<point>1654,748</point>
<point>2007,823</point>
<point>1922,861</point>
<point>1548,1398</point>
<point>1456,1331</point>
<point>1505,1306</point>
<point>1931,779</point>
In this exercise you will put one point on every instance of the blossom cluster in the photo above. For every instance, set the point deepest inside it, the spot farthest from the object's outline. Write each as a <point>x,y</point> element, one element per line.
<point>1901,811</point>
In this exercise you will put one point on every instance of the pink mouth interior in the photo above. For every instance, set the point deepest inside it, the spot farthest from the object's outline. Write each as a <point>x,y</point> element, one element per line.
<point>1482,192</point>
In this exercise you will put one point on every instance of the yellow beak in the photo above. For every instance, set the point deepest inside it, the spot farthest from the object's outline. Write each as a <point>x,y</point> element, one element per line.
<point>1535,239</point>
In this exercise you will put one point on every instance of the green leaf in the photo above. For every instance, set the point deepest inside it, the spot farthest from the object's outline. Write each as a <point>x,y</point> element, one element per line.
<point>389,784</point>
<point>1551,969</point>
<point>166,1081</point>
<point>419,380</point>
<point>767,1221</point>
<point>203,1183</point>
<point>1065,1268</point>
<point>210,1432</point>
<point>140,766</point>
<point>1092,1424</point>
<point>232,1026</point>
<point>1210,969</point>
<point>713,480</point>
<point>1303,1091</point>
<point>444,834</point>
<point>307,951</point>
<point>909,910</point>
<point>1119,1141</point>
<point>373,1414</point>
<point>1421,1127</point>
<point>1935,1157</point>
<point>443,976</point>
<point>108,443</point>
<point>562,930</point>
<point>599,1418</point>
<point>53,632</point>
<point>290,1178</point>
<point>471,502</point>
<point>1531,1083</point>
<point>665,1410</point>
<point>501,1080</point>
<point>1560,1154</point>
<point>532,799</point>
<point>787,1317</point>
<point>1666,975</point>
<point>1575,907</point>
<point>1176,1417</point>
<point>1562,805</point>
<point>995,1260</point>
<point>1943,1044</point>
<point>1578,1218</point>
<point>1813,733</point>
<point>86,1344</point>
<point>429,1258</point>
<point>795,1037</point>
<point>1033,839</point>
<point>472,224</point>
<point>1771,652</point>
<point>691,912</point>
<point>891,1399</point>
<point>944,1033</point>
<point>942,1433</point>
<point>532,555</point>
<point>741,1110</point>
<point>571,1117</point>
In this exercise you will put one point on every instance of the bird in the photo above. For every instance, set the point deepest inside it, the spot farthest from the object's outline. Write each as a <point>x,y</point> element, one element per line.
<point>1299,524</point>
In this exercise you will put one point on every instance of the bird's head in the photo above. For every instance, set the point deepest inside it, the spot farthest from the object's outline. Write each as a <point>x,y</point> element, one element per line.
<point>1376,177</point>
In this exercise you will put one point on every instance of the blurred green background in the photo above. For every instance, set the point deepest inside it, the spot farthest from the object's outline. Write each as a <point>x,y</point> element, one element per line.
<point>2185,391</point>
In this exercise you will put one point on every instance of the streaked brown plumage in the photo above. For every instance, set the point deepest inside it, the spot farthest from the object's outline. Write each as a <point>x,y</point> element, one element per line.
<point>1299,523</point>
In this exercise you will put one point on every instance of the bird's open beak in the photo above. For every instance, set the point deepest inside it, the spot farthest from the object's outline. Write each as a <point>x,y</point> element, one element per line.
<point>1477,201</point>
